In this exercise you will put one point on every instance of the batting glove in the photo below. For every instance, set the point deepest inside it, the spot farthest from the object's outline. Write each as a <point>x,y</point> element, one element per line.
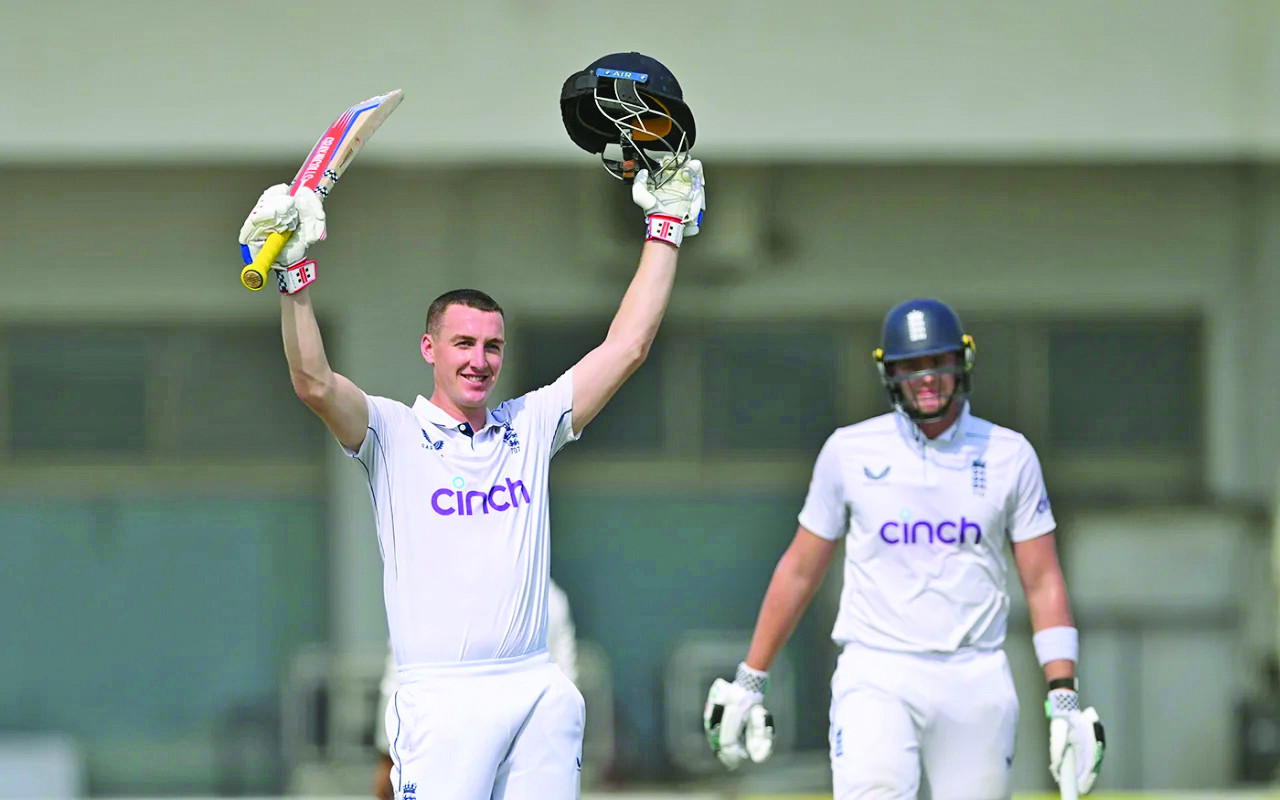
<point>1079,731</point>
<point>735,720</point>
<point>278,211</point>
<point>674,209</point>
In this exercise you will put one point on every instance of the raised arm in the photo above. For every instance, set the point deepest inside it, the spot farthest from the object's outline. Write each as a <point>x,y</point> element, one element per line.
<point>336,400</point>
<point>602,371</point>
<point>673,210</point>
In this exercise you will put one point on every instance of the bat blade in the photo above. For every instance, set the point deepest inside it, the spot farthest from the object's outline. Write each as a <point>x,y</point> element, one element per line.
<point>345,138</point>
<point>329,158</point>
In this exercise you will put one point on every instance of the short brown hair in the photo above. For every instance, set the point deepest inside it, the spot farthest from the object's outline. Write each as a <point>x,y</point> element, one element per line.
<point>471,298</point>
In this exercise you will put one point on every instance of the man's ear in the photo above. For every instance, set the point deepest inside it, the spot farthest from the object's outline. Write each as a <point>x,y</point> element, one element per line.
<point>428,350</point>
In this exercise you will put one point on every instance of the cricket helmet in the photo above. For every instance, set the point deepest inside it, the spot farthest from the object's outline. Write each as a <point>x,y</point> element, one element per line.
<point>923,327</point>
<point>632,101</point>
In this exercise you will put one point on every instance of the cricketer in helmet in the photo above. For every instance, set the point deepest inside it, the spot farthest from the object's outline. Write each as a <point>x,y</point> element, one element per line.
<point>925,359</point>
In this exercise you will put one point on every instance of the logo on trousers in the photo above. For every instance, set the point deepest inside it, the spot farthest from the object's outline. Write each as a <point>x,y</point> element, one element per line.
<point>457,500</point>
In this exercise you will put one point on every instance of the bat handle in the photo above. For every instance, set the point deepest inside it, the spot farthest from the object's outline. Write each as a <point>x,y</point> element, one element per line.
<point>628,160</point>
<point>254,276</point>
<point>1067,776</point>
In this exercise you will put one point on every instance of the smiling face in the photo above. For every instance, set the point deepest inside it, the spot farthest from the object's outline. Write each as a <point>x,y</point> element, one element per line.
<point>465,351</point>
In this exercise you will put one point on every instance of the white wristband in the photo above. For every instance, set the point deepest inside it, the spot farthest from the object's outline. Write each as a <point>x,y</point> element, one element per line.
<point>751,679</point>
<point>295,277</point>
<point>664,228</point>
<point>1057,644</point>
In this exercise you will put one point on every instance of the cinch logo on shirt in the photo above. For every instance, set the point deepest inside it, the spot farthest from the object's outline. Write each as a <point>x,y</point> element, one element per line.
<point>924,531</point>
<point>500,497</point>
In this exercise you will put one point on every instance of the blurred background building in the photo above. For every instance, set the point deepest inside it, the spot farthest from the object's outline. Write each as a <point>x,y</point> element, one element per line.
<point>191,599</point>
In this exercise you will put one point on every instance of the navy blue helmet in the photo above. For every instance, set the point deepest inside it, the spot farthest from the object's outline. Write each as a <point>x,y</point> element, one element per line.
<point>923,327</point>
<point>633,102</point>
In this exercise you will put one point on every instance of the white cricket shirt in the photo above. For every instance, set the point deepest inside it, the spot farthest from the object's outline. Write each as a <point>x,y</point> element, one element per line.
<point>561,643</point>
<point>463,523</point>
<point>927,524</point>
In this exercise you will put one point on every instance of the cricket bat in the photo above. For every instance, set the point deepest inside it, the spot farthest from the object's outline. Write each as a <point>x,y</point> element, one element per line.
<point>1067,776</point>
<point>327,161</point>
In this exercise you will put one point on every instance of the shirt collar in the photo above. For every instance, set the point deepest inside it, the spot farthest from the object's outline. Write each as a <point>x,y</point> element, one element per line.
<point>950,435</point>
<point>911,431</point>
<point>430,413</point>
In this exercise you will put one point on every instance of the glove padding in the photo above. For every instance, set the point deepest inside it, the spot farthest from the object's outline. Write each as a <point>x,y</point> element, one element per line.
<point>736,723</point>
<point>683,197</point>
<point>278,211</point>
<point>1081,731</point>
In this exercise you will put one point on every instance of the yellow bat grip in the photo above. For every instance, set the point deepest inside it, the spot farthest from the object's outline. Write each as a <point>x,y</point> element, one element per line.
<point>254,276</point>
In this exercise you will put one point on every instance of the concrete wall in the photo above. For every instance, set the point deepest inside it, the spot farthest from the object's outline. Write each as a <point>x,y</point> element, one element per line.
<point>142,80</point>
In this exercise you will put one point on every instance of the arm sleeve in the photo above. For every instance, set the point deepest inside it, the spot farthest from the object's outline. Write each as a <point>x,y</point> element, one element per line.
<point>374,453</point>
<point>1030,515</point>
<point>547,413</point>
<point>561,637</point>
<point>381,417</point>
<point>825,510</point>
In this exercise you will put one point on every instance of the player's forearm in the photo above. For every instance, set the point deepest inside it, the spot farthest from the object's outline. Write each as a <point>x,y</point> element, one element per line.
<point>789,594</point>
<point>303,348</point>
<point>1049,607</point>
<point>636,323</point>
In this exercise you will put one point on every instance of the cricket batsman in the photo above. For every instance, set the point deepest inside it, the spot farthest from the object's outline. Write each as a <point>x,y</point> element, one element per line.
<point>460,490</point>
<point>927,498</point>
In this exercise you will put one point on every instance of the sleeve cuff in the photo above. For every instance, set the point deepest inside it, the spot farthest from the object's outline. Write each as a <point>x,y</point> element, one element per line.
<point>1033,533</point>
<point>817,529</point>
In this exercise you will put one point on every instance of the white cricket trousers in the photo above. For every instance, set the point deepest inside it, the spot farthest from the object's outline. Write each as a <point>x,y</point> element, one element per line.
<point>495,730</point>
<point>898,718</point>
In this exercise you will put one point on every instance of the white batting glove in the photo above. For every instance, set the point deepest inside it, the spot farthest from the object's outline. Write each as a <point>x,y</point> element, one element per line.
<point>276,212</point>
<point>674,209</point>
<point>735,720</point>
<point>1079,731</point>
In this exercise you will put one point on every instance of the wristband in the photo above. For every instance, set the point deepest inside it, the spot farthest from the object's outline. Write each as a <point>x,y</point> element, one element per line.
<point>1061,643</point>
<point>1061,702</point>
<point>1064,683</point>
<point>296,277</point>
<point>753,680</point>
<point>664,228</point>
